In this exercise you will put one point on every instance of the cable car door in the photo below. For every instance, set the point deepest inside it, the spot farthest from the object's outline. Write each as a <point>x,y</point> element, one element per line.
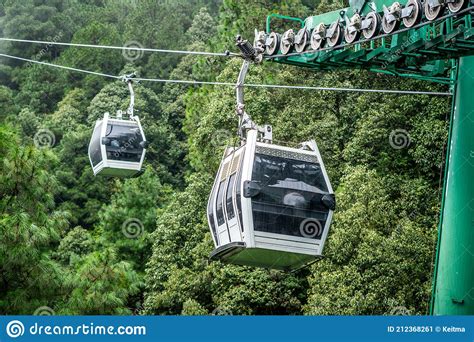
<point>225,213</point>
<point>232,196</point>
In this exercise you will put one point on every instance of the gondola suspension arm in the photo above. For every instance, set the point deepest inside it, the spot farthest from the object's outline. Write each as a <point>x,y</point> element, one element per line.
<point>129,80</point>
<point>250,55</point>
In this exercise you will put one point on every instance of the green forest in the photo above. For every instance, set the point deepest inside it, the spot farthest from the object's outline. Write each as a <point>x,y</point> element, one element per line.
<point>72,243</point>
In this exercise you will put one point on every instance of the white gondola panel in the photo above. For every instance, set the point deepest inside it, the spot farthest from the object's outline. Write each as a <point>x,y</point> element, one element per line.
<point>117,147</point>
<point>280,208</point>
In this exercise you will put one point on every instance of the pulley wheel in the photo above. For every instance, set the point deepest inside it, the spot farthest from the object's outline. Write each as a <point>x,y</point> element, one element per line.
<point>374,27</point>
<point>415,15</point>
<point>457,5</point>
<point>351,37</point>
<point>389,27</point>
<point>301,40</point>
<point>317,37</point>
<point>336,37</point>
<point>432,13</point>
<point>287,41</point>
<point>259,39</point>
<point>273,43</point>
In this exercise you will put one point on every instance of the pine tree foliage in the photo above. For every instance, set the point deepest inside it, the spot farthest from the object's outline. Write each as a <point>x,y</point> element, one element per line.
<point>65,236</point>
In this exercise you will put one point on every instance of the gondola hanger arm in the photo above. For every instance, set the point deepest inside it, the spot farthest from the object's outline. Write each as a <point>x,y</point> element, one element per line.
<point>250,54</point>
<point>129,79</point>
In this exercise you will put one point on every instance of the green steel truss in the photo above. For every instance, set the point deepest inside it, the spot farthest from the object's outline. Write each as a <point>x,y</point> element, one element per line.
<point>439,51</point>
<point>425,51</point>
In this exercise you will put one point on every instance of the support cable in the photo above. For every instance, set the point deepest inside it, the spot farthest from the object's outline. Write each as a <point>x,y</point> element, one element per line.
<point>250,85</point>
<point>126,48</point>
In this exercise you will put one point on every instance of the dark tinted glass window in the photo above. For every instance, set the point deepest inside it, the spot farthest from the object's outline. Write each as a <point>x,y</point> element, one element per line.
<point>228,202</point>
<point>290,196</point>
<point>219,205</point>
<point>94,146</point>
<point>124,142</point>
<point>210,214</point>
<point>238,192</point>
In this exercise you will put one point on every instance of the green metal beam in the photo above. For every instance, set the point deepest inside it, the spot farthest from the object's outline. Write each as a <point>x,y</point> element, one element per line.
<point>421,50</point>
<point>426,52</point>
<point>453,290</point>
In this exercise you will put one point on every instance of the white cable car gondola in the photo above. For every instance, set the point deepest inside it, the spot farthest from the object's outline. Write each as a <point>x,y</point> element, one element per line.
<point>271,206</point>
<point>118,146</point>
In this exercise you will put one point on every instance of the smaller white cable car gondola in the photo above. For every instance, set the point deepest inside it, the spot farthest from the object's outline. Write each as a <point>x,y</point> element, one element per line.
<point>271,206</point>
<point>117,147</point>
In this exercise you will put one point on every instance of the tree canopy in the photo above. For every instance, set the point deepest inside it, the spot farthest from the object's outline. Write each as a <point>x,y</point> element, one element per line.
<point>80,244</point>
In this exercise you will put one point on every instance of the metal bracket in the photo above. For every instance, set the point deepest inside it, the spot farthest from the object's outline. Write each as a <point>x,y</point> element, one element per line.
<point>245,121</point>
<point>407,11</point>
<point>129,79</point>
<point>365,24</point>
<point>434,3</point>
<point>332,28</point>
<point>390,15</point>
<point>354,23</point>
<point>299,36</point>
<point>249,52</point>
<point>251,189</point>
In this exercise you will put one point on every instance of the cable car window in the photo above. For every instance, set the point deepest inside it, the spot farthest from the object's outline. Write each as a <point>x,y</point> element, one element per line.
<point>237,194</point>
<point>210,213</point>
<point>228,202</point>
<point>123,142</point>
<point>94,148</point>
<point>291,192</point>
<point>219,204</point>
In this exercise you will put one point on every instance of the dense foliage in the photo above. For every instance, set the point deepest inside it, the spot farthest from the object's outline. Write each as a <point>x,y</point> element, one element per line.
<point>64,240</point>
